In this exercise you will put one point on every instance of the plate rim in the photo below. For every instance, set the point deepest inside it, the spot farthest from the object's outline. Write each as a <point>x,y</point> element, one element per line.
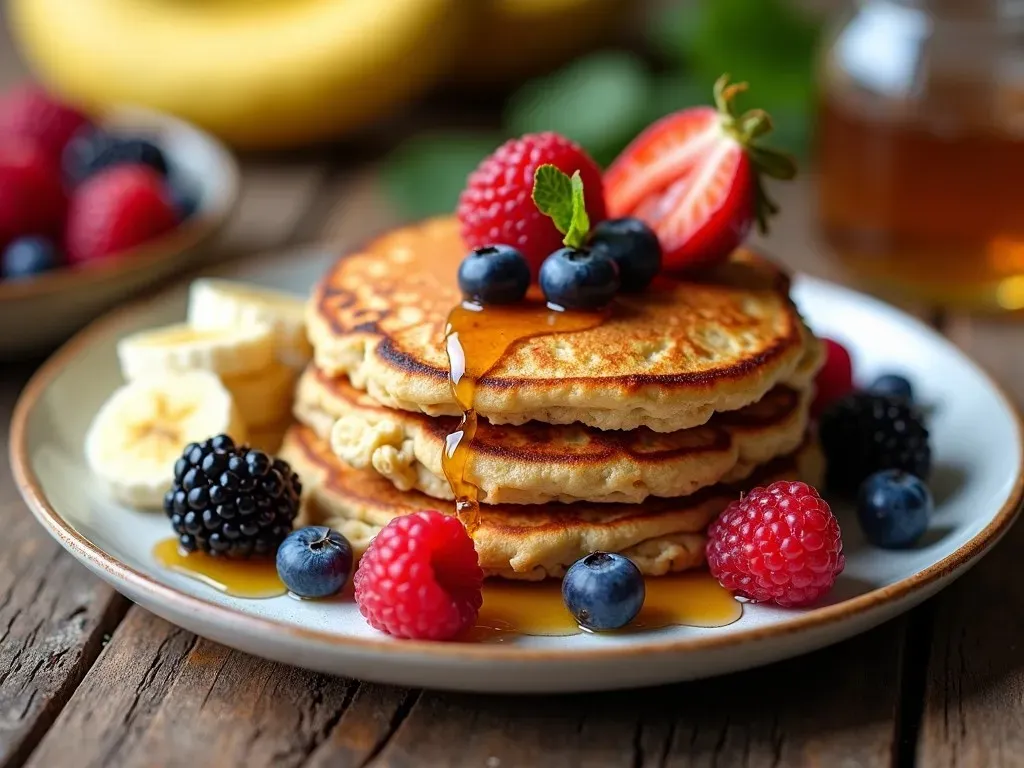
<point>213,613</point>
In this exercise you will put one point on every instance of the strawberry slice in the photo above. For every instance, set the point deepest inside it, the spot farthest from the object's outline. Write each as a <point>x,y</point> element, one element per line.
<point>695,178</point>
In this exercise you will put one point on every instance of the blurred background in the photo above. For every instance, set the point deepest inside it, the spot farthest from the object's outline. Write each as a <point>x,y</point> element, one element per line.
<point>905,115</point>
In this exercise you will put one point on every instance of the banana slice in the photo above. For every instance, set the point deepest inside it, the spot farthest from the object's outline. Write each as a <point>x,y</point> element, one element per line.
<point>222,303</point>
<point>180,348</point>
<point>263,397</point>
<point>134,440</point>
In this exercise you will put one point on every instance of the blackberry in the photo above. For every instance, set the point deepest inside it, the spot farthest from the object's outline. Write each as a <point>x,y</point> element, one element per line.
<point>866,432</point>
<point>231,501</point>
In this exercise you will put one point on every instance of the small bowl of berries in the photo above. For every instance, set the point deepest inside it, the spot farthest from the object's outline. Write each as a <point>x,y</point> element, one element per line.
<point>94,210</point>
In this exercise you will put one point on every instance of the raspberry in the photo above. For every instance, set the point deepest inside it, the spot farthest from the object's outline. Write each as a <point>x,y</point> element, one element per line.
<point>116,209</point>
<point>420,578</point>
<point>28,111</point>
<point>779,544</point>
<point>32,200</point>
<point>496,207</point>
<point>835,379</point>
<point>865,432</point>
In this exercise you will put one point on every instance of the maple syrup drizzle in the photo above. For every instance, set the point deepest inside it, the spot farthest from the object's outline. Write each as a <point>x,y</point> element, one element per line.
<point>476,339</point>
<point>256,579</point>
<point>690,599</point>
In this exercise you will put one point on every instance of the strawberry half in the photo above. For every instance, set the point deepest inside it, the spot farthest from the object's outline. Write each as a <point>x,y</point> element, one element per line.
<point>695,178</point>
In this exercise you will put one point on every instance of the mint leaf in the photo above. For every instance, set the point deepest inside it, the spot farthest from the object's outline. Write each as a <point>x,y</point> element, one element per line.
<point>560,198</point>
<point>579,224</point>
<point>552,194</point>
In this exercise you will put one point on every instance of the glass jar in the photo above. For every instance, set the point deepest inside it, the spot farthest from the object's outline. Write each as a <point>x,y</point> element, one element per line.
<point>921,149</point>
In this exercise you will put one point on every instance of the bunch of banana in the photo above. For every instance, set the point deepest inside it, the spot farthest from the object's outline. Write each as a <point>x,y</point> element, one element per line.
<point>286,72</point>
<point>230,369</point>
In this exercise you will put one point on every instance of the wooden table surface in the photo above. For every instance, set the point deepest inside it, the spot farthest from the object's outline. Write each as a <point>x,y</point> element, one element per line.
<point>88,679</point>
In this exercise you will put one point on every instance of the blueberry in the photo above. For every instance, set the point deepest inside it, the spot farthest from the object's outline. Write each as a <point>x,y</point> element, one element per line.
<point>633,246</point>
<point>92,150</point>
<point>893,508</point>
<point>27,257</point>
<point>579,278</point>
<point>893,385</point>
<point>603,591</point>
<point>497,274</point>
<point>184,197</point>
<point>314,561</point>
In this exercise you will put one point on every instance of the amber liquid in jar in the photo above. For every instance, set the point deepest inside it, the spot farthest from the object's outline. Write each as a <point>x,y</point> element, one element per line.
<point>909,208</point>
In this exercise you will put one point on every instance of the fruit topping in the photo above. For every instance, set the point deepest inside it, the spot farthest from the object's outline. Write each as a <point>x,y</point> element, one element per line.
<point>138,432</point>
<point>494,274</point>
<point>894,385</point>
<point>634,248</point>
<point>228,500</point>
<point>695,178</point>
<point>420,578</point>
<point>116,209</point>
<point>28,257</point>
<point>314,562</point>
<point>603,591</point>
<point>496,205</point>
<point>30,112</point>
<point>226,351</point>
<point>864,433</point>
<point>835,379</point>
<point>778,544</point>
<point>93,149</point>
<point>32,199</point>
<point>894,508</point>
<point>579,279</point>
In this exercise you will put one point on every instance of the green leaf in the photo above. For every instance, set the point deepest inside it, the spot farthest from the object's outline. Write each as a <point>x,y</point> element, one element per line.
<point>424,176</point>
<point>561,199</point>
<point>553,196</point>
<point>579,224</point>
<point>599,101</point>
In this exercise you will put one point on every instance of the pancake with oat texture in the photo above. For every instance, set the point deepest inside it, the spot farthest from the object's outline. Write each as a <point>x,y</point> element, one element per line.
<point>532,542</point>
<point>667,358</point>
<point>534,463</point>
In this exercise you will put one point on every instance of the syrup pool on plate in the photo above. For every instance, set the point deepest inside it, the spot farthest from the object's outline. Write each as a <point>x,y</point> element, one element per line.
<point>239,578</point>
<point>476,339</point>
<point>691,599</point>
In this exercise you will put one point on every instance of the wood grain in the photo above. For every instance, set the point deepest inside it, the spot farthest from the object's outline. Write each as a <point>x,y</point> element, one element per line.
<point>53,615</point>
<point>974,699</point>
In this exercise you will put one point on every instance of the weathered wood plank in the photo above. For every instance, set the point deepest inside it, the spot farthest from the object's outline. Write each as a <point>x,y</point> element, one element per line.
<point>53,616</point>
<point>974,698</point>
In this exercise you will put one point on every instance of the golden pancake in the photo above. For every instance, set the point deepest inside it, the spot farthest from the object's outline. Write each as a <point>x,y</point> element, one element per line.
<point>535,463</point>
<point>532,542</point>
<point>666,359</point>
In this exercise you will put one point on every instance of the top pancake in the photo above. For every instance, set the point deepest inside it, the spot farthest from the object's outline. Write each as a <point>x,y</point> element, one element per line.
<point>667,358</point>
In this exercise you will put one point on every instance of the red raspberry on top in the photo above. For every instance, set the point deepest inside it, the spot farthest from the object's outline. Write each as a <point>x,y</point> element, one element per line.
<point>30,111</point>
<point>496,207</point>
<point>420,578</point>
<point>32,198</point>
<point>116,209</point>
<point>779,544</point>
<point>835,379</point>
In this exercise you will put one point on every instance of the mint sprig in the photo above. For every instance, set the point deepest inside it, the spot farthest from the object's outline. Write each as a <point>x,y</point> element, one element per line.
<point>560,197</point>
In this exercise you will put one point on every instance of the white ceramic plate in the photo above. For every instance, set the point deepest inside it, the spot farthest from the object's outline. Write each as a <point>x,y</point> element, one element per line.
<point>978,486</point>
<point>49,308</point>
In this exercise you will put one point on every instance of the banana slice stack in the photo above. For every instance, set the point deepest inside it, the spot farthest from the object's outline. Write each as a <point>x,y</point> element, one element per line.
<point>230,369</point>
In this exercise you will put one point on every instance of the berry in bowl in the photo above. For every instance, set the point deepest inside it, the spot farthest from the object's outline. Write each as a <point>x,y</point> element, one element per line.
<point>95,211</point>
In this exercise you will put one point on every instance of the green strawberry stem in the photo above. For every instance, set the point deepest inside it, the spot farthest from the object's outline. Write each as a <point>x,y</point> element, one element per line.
<point>748,128</point>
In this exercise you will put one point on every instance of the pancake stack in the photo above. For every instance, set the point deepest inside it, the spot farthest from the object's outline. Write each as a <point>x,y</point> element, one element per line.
<point>630,437</point>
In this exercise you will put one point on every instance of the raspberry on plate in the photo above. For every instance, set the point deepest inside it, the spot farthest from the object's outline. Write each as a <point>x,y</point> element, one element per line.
<point>778,544</point>
<point>32,199</point>
<point>116,209</point>
<point>420,578</point>
<point>835,379</point>
<point>497,205</point>
<point>30,112</point>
